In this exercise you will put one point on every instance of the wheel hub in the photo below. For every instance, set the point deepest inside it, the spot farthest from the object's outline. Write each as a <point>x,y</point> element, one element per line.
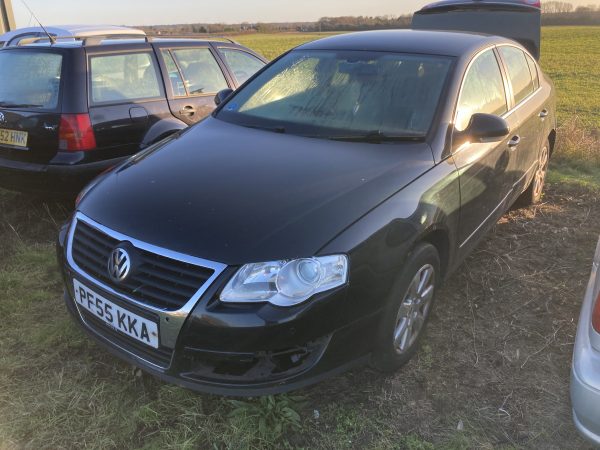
<point>414,309</point>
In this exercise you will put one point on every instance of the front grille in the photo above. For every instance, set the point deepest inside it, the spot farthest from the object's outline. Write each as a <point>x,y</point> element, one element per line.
<point>157,280</point>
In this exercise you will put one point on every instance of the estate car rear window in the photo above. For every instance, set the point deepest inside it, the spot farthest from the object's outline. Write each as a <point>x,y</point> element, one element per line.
<point>123,77</point>
<point>30,79</point>
<point>339,94</point>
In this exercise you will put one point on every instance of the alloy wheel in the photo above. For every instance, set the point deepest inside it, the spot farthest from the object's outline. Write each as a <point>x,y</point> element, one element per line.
<point>540,174</point>
<point>414,309</point>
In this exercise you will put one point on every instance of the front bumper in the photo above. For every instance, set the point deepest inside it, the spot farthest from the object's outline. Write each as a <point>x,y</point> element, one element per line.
<point>585,373</point>
<point>238,350</point>
<point>51,178</point>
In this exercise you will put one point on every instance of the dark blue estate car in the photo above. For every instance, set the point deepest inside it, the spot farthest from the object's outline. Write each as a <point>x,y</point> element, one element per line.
<point>74,107</point>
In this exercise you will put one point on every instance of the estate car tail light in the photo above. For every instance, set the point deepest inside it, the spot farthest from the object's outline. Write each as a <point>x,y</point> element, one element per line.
<point>76,133</point>
<point>596,315</point>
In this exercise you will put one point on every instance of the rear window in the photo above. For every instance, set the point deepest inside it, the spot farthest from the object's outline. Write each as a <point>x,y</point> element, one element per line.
<point>124,77</point>
<point>30,79</point>
<point>518,72</point>
<point>534,72</point>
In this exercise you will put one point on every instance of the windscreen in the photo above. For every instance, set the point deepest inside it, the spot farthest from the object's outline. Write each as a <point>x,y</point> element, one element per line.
<point>351,93</point>
<point>30,79</point>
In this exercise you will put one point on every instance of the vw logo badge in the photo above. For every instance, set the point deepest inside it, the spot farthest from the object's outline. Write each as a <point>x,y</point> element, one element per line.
<point>119,265</point>
<point>2,118</point>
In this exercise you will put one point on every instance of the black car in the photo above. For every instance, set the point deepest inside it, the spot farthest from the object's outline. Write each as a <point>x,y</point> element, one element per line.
<point>71,109</point>
<point>307,224</point>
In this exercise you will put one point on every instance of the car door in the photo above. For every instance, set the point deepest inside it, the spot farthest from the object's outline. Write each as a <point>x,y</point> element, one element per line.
<point>126,97</point>
<point>194,76</point>
<point>529,107</point>
<point>485,167</point>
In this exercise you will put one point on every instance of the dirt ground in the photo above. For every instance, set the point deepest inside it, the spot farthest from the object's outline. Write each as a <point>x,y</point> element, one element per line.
<point>497,356</point>
<point>493,371</point>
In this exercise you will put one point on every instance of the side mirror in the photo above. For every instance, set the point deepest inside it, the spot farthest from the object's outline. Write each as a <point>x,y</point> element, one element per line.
<point>483,127</point>
<point>222,96</point>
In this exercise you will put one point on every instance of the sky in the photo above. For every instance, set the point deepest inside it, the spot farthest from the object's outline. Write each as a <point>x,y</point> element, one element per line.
<point>149,12</point>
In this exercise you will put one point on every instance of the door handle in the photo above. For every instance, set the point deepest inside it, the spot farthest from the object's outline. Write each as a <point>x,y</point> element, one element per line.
<point>188,110</point>
<point>543,113</point>
<point>514,142</point>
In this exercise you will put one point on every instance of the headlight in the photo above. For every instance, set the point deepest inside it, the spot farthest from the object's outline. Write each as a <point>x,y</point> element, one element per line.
<point>286,283</point>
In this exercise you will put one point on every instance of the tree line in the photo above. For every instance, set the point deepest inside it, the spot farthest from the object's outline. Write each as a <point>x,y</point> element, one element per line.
<point>553,13</point>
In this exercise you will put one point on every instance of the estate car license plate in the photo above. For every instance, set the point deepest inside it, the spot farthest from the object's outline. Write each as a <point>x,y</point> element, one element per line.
<point>120,319</point>
<point>13,137</point>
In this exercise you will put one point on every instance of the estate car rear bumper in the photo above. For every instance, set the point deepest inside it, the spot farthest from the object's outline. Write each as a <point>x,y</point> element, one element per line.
<point>50,178</point>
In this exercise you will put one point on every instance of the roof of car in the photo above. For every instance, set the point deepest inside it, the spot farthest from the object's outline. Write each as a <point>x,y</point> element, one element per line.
<point>443,4</point>
<point>74,30</point>
<point>100,40</point>
<point>446,43</point>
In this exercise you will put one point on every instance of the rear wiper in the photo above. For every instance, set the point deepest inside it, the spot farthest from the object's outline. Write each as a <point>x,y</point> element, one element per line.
<point>377,137</point>
<point>18,105</point>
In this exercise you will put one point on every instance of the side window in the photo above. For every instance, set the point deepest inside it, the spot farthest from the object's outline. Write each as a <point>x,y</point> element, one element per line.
<point>201,72</point>
<point>534,71</point>
<point>117,78</point>
<point>482,90</point>
<point>174,75</point>
<point>242,64</point>
<point>518,72</point>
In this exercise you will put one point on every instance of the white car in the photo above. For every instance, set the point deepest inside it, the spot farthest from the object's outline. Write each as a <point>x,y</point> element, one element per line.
<point>585,374</point>
<point>13,38</point>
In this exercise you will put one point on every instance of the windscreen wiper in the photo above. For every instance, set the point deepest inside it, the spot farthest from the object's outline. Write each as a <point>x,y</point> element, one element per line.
<point>377,137</point>
<point>259,127</point>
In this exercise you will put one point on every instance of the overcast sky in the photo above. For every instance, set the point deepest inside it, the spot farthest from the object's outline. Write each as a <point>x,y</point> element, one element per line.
<point>148,12</point>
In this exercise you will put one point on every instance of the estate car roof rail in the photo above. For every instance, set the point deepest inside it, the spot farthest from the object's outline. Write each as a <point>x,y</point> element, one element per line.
<point>100,38</point>
<point>85,40</point>
<point>204,38</point>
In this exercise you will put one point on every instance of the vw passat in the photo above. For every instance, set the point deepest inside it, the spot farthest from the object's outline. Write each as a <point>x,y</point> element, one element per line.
<point>306,226</point>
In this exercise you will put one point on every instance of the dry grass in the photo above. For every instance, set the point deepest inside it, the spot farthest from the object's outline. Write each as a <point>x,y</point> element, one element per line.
<point>493,372</point>
<point>577,144</point>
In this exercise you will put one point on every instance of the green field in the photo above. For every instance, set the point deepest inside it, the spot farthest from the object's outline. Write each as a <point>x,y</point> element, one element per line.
<point>59,390</point>
<point>571,57</point>
<point>273,45</point>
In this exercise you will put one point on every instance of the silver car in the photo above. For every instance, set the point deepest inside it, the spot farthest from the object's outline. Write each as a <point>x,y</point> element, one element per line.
<point>585,374</point>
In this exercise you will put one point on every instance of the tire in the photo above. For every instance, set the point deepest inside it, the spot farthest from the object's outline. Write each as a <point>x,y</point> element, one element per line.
<point>398,338</point>
<point>534,192</point>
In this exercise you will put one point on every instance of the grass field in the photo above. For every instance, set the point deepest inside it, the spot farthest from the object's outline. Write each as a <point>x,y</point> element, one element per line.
<point>493,371</point>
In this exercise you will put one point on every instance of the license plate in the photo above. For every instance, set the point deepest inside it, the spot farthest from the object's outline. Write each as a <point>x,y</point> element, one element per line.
<point>13,137</point>
<point>120,319</point>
